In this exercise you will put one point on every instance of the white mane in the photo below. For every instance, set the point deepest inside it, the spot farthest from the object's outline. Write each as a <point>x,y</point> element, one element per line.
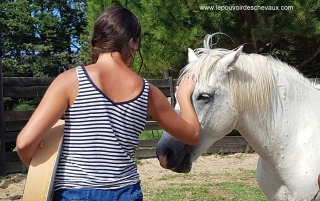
<point>251,81</point>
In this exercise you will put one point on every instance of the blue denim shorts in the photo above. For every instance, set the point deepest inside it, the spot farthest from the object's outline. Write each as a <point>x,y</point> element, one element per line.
<point>129,193</point>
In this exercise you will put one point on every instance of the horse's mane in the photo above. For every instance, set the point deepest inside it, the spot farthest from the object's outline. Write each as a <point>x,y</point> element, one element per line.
<point>251,81</point>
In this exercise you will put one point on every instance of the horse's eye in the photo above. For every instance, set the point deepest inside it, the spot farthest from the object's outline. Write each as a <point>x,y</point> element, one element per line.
<point>204,97</point>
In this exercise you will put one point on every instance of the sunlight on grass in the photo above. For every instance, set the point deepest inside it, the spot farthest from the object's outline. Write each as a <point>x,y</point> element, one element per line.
<point>242,192</point>
<point>228,191</point>
<point>188,192</point>
<point>228,186</point>
<point>247,174</point>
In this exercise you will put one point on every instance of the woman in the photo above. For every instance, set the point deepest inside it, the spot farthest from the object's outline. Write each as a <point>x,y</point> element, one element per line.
<point>105,106</point>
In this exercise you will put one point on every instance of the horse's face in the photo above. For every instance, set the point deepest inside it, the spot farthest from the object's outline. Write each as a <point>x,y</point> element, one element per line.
<point>216,112</point>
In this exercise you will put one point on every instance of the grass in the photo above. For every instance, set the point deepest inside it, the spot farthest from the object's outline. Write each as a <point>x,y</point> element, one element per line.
<point>174,176</point>
<point>207,192</point>
<point>137,161</point>
<point>185,192</point>
<point>150,134</point>
<point>242,192</point>
<point>231,186</point>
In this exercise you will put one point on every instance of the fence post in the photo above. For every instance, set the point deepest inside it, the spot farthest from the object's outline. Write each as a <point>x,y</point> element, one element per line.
<point>2,142</point>
<point>166,73</point>
<point>166,76</point>
<point>172,92</point>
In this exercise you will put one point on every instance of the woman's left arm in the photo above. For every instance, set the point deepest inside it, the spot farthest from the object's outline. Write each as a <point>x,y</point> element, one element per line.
<point>51,108</point>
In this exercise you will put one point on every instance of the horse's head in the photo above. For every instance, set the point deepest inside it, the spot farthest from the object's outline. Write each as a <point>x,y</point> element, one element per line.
<point>213,103</point>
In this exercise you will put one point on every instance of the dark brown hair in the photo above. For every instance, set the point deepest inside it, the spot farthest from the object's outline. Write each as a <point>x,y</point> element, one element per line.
<point>112,32</point>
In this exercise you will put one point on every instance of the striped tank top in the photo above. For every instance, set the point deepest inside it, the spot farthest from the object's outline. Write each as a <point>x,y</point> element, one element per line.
<point>100,139</point>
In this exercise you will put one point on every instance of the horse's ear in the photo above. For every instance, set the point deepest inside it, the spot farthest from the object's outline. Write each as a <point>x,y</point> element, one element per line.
<point>191,55</point>
<point>230,58</point>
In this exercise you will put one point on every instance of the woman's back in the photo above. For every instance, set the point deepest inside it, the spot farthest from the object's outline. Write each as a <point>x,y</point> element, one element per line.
<point>101,136</point>
<point>115,79</point>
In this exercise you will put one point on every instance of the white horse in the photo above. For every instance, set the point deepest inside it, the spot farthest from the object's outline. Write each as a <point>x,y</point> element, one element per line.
<point>275,108</point>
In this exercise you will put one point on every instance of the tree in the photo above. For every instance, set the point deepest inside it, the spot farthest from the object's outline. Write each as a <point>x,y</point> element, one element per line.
<point>291,32</point>
<point>40,38</point>
<point>170,27</point>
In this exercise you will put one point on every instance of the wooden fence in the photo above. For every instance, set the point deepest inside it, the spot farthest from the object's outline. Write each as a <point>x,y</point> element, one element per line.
<point>28,87</point>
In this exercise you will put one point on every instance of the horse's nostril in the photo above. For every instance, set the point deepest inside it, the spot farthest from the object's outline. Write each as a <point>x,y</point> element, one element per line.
<point>168,152</point>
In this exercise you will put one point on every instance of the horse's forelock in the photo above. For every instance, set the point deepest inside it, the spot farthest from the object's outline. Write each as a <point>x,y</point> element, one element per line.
<point>203,67</point>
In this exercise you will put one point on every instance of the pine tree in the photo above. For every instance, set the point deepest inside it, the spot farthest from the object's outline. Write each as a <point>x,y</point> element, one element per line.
<point>170,27</point>
<point>40,38</point>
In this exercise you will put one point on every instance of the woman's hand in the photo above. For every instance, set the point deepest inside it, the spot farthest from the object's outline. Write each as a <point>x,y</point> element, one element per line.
<point>186,86</point>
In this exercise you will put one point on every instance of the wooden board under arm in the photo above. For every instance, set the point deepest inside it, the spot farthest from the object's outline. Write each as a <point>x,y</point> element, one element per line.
<point>41,173</point>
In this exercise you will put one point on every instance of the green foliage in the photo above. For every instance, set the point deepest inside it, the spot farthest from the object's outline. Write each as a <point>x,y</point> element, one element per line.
<point>40,39</point>
<point>170,27</point>
<point>26,104</point>
<point>43,38</point>
<point>84,56</point>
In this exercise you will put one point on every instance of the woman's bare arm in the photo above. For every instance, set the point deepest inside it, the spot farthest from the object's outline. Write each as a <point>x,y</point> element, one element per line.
<point>186,127</point>
<point>50,109</point>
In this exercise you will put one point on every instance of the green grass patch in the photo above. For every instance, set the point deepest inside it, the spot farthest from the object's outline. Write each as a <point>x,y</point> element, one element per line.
<point>137,161</point>
<point>242,192</point>
<point>174,176</point>
<point>187,192</point>
<point>247,174</point>
<point>230,186</point>
<point>233,191</point>
<point>150,134</point>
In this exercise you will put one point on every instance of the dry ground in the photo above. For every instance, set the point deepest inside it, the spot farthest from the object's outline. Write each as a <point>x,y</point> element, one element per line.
<point>215,168</point>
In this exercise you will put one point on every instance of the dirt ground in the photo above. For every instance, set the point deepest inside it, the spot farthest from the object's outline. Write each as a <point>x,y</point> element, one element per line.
<point>11,188</point>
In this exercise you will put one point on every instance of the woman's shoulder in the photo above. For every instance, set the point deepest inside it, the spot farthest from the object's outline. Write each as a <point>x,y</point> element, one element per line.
<point>66,78</point>
<point>69,72</point>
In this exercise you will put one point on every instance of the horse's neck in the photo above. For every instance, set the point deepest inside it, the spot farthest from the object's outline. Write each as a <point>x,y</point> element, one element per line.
<point>293,121</point>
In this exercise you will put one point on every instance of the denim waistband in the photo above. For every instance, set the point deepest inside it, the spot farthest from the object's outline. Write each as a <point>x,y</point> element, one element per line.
<point>129,193</point>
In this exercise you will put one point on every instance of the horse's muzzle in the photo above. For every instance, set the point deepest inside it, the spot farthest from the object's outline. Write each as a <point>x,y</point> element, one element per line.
<point>173,154</point>
<point>183,167</point>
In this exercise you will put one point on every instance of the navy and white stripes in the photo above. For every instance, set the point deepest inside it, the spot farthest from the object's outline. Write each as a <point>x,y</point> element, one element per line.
<point>100,139</point>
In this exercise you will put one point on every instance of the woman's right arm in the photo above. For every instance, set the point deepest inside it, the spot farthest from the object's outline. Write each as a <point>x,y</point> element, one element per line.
<point>184,127</point>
